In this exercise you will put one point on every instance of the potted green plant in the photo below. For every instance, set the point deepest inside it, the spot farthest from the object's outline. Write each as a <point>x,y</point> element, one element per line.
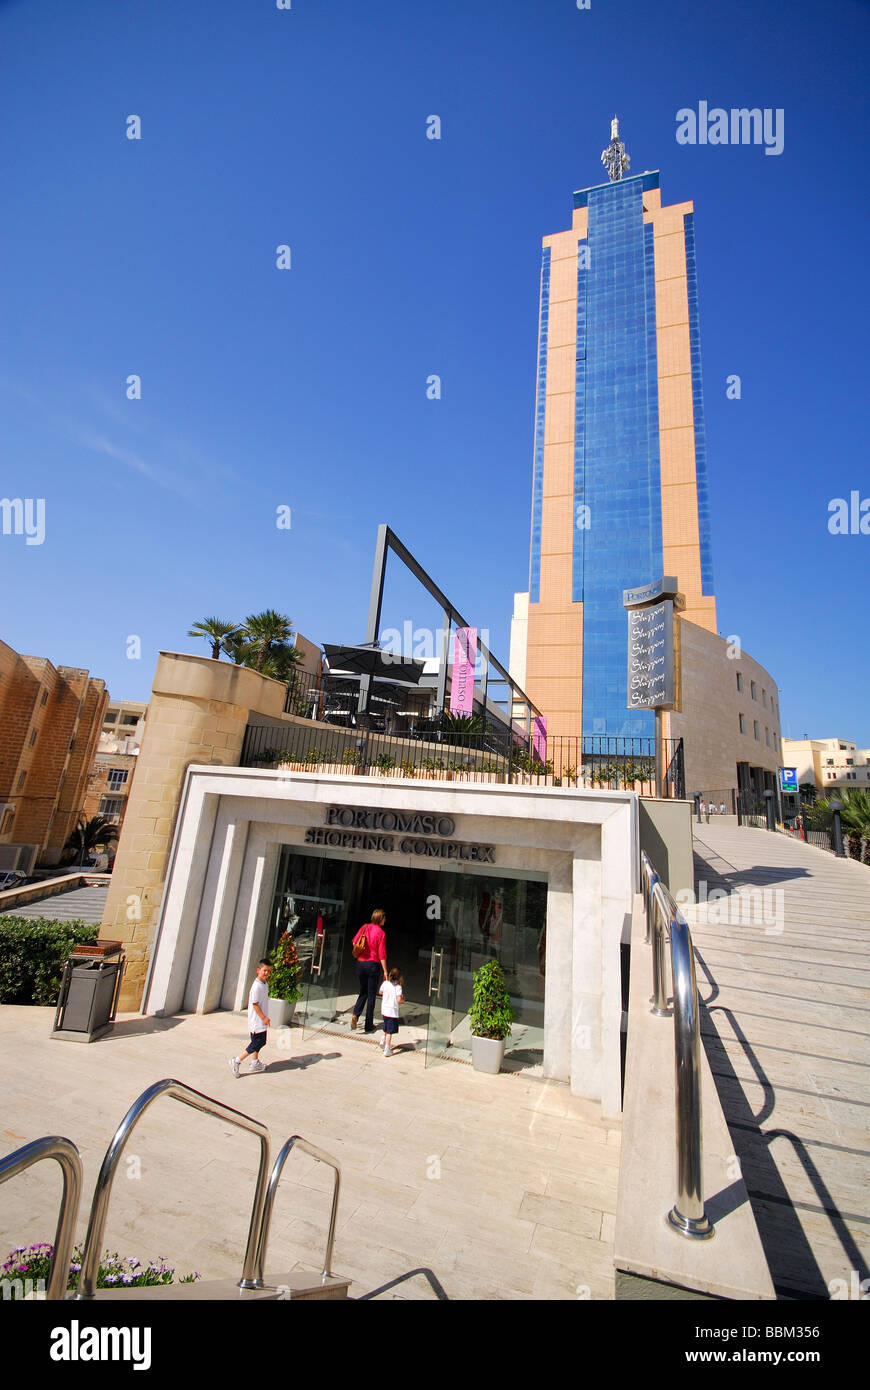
<point>284,981</point>
<point>491,1017</point>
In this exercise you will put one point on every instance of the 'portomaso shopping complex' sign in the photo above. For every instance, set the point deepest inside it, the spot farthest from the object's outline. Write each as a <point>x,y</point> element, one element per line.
<point>407,832</point>
<point>653,645</point>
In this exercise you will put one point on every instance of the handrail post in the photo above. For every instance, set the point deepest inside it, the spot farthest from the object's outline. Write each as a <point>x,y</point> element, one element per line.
<point>102,1192</point>
<point>67,1155</point>
<point>295,1141</point>
<point>687,1214</point>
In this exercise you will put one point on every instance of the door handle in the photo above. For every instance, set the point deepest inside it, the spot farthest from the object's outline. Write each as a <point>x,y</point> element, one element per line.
<point>316,969</point>
<point>440,971</point>
<point>431,968</point>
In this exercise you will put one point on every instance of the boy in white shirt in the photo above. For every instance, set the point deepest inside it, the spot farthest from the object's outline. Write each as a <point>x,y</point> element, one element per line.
<point>258,1020</point>
<point>391,997</point>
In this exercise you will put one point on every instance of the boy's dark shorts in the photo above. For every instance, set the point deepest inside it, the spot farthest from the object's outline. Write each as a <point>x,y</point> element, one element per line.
<point>258,1040</point>
<point>391,1025</point>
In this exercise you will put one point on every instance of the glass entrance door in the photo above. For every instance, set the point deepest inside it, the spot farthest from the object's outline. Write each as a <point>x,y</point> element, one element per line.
<point>321,997</point>
<point>442,989</point>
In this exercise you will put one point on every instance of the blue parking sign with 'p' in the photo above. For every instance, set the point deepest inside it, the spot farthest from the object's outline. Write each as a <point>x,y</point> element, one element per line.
<point>788,779</point>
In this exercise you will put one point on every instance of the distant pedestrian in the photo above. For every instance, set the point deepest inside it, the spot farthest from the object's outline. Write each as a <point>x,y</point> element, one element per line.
<point>258,1020</point>
<point>391,997</point>
<point>705,811</point>
<point>721,808</point>
<point>370,953</point>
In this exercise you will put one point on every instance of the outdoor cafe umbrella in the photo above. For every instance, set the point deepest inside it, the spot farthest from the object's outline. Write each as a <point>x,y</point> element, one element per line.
<point>371,661</point>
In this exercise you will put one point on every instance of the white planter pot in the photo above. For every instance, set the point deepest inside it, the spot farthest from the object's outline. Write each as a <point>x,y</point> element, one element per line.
<point>487,1054</point>
<point>280,1012</point>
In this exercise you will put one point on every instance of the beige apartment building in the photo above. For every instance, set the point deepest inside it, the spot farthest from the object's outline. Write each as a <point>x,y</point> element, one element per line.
<point>829,764</point>
<point>111,776</point>
<point>50,720</point>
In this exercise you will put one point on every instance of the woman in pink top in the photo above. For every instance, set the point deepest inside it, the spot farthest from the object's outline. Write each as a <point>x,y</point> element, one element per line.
<point>369,966</point>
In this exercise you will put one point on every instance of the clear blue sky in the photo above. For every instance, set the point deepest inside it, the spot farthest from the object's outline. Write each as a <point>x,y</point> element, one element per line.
<point>410,256</point>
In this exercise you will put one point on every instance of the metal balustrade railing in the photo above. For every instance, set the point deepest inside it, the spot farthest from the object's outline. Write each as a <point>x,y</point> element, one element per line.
<point>103,1190</point>
<point>296,1141</point>
<point>64,1152</point>
<point>665,922</point>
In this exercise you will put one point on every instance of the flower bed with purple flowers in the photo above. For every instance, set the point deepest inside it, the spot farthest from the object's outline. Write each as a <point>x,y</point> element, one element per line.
<point>34,1262</point>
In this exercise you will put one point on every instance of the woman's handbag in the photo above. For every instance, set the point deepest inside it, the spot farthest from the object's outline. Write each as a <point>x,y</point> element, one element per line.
<point>360,944</point>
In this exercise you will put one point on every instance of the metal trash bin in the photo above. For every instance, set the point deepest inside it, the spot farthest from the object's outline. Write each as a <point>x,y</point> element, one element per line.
<point>89,990</point>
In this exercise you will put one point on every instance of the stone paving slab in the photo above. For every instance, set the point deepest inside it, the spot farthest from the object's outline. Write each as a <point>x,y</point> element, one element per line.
<point>496,1187</point>
<point>786,1025</point>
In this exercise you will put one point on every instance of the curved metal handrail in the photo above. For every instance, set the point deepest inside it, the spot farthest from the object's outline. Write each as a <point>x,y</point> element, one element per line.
<point>658,924</point>
<point>648,879</point>
<point>67,1155</point>
<point>687,1214</point>
<point>102,1192</point>
<point>296,1141</point>
<point>664,918</point>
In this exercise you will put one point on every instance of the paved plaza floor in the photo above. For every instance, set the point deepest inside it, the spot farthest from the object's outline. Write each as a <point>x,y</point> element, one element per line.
<point>454,1184</point>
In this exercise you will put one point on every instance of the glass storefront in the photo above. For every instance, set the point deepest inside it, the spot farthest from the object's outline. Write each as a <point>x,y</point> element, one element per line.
<point>440,927</point>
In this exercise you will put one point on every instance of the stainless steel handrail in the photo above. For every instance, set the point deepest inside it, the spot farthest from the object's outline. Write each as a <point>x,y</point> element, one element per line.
<point>687,1215</point>
<point>659,925</point>
<point>296,1141</point>
<point>648,878</point>
<point>67,1155</point>
<point>102,1192</point>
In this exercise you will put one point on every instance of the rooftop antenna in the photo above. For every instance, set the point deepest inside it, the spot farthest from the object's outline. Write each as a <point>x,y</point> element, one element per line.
<point>614,158</point>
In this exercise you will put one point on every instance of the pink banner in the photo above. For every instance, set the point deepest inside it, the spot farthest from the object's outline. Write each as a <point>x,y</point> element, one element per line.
<point>462,676</point>
<point>539,737</point>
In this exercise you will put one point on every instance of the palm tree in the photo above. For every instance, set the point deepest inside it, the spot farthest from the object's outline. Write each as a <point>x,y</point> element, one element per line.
<point>855,815</point>
<point>89,835</point>
<point>266,634</point>
<point>216,631</point>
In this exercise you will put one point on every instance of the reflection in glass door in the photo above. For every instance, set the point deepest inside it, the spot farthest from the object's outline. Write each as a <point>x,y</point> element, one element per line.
<point>321,1000</point>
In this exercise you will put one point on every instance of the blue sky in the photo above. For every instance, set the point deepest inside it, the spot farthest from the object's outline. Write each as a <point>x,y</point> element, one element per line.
<point>410,257</point>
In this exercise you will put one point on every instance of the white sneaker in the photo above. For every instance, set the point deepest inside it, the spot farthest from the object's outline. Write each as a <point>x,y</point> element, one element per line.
<point>234,1066</point>
<point>388,1052</point>
<point>257,1066</point>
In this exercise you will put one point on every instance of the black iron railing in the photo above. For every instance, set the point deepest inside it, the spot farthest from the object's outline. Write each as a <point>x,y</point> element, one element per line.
<point>616,764</point>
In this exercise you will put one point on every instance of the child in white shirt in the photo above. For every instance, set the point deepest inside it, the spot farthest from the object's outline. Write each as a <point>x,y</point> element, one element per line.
<point>258,1020</point>
<point>391,997</point>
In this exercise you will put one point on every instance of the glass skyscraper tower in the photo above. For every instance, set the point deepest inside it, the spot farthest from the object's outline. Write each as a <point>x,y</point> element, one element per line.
<point>619,492</point>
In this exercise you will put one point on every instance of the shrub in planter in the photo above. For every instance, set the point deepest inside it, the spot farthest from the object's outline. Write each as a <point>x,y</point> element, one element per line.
<point>32,955</point>
<point>33,1263</point>
<point>854,845</point>
<point>285,978</point>
<point>491,1017</point>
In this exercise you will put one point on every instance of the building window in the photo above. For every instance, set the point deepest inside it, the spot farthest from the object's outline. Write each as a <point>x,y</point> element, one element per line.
<point>117,777</point>
<point>764,697</point>
<point>753,689</point>
<point>849,762</point>
<point>33,737</point>
<point>7,822</point>
<point>111,807</point>
<point>44,699</point>
<point>21,781</point>
<point>129,719</point>
<point>739,681</point>
<point>110,716</point>
<point>829,762</point>
<point>742,719</point>
<point>756,729</point>
<point>767,737</point>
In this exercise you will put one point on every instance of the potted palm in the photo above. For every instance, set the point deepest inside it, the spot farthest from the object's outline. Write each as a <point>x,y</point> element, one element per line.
<point>284,981</point>
<point>491,1017</point>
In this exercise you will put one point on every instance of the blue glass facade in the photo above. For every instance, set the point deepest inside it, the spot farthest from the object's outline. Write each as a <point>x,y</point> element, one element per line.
<point>617,473</point>
<point>540,407</point>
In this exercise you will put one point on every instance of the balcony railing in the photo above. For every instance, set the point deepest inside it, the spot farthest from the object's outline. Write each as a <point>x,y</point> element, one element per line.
<point>617,764</point>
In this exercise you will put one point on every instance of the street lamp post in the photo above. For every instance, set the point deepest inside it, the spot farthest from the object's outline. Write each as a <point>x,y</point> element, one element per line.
<point>836,808</point>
